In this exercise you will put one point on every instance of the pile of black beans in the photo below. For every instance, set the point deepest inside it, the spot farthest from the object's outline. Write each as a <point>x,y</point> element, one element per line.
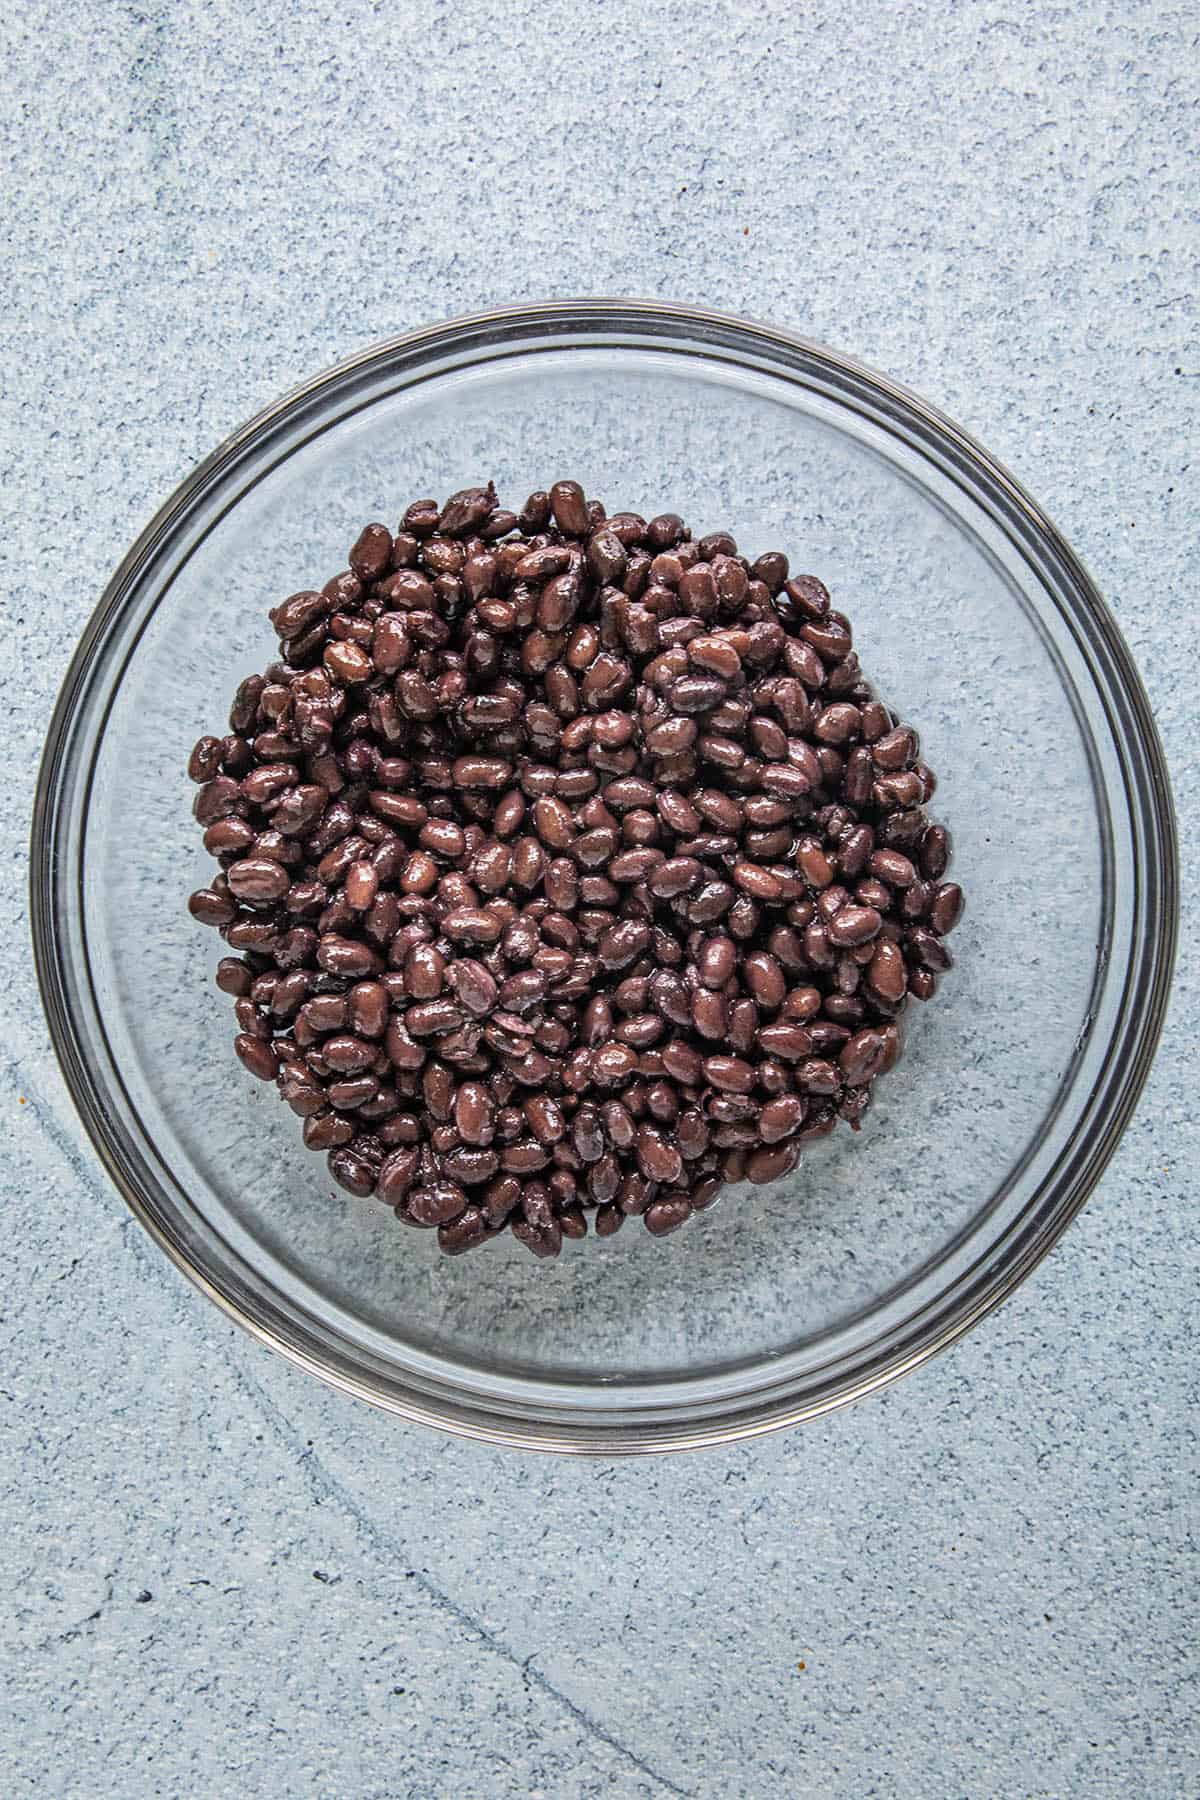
<point>572,868</point>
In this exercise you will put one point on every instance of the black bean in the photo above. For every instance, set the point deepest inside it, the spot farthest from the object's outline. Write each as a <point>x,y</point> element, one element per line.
<point>205,760</point>
<point>852,925</point>
<point>718,960</point>
<point>545,1119</point>
<point>613,1064</point>
<point>945,909</point>
<point>915,901</point>
<point>349,1092</point>
<point>470,1167</point>
<point>837,724</point>
<point>893,867</point>
<point>658,1159</point>
<point>635,865</point>
<point>325,1130</point>
<point>467,510</point>
<point>886,971</point>
<point>895,749</point>
<point>928,950</point>
<point>619,1125</point>
<point>692,694</point>
<point>667,1214</point>
<point>765,980</point>
<point>622,944</point>
<point>862,1057</point>
<point>768,1164</point>
<point>398,1174</point>
<point>353,1170</point>
<point>257,1055</point>
<point>789,1041</point>
<point>464,1233</point>
<point>759,883</point>
<point>935,852</point>
<point>347,1054</point>
<point>258,878</point>
<point>569,508</point>
<point>436,1204</point>
<point>346,956</point>
<point>780,1118</point>
<point>211,906</point>
<point>730,1074</point>
<point>218,799</point>
<point>709,1014</point>
<point>524,1157</point>
<point>372,553</point>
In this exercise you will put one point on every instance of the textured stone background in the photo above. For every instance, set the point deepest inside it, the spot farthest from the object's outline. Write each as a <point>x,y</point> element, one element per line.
<point>217,1578</point>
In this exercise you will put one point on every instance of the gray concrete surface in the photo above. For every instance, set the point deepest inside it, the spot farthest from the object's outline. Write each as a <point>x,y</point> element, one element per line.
<point>217,1578</point>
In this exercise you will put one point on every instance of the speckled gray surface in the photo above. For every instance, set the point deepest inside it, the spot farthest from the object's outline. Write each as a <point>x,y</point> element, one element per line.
<point>218,1577</point>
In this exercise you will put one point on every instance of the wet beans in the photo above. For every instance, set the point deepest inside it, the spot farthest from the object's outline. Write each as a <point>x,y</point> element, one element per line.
<point>572,868</point>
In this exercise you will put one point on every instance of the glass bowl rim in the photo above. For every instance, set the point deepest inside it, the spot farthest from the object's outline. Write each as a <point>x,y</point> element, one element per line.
<point>1133,1047</point>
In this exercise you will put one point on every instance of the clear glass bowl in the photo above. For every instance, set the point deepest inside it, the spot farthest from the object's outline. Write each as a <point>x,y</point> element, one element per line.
<point>973,618</point>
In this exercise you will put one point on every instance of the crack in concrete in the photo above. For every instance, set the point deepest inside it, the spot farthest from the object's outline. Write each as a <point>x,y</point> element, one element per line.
<point>325,1485</point>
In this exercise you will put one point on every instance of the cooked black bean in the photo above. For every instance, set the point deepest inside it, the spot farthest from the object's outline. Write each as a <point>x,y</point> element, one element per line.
<point>569,508</point>
<point>524,1157</point>
<point>575,866</point>
<point>853,925</point>
<point>257,1055</point>
<point>730,1073</point>
<point>353,1170</point>
<point>886,972</point>
<point>464,1233</point>
<point>945,909</point>
<point>429,1018</point>
<point>347,1054</point>
<point>895,749</point>
<point>613,1064</point>
<point>667,1214</point>
<point>764,978</point>
<point>349,1092</point>
<point>928,950</point>
<point>436,1204</point>
<point>545,1118</point>
<point>621,944</point>
<point>205,761</point>
<point>756,881</point>
<point>769,1164</point>
<point>862,1057</point>
<point>780,1118</point>
<point>709,1014</point>
<point>468,1166</point>
<point>935,852</point>
<point>324,1130</point>
<point>212,906</point>
<point>658,1158</point>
